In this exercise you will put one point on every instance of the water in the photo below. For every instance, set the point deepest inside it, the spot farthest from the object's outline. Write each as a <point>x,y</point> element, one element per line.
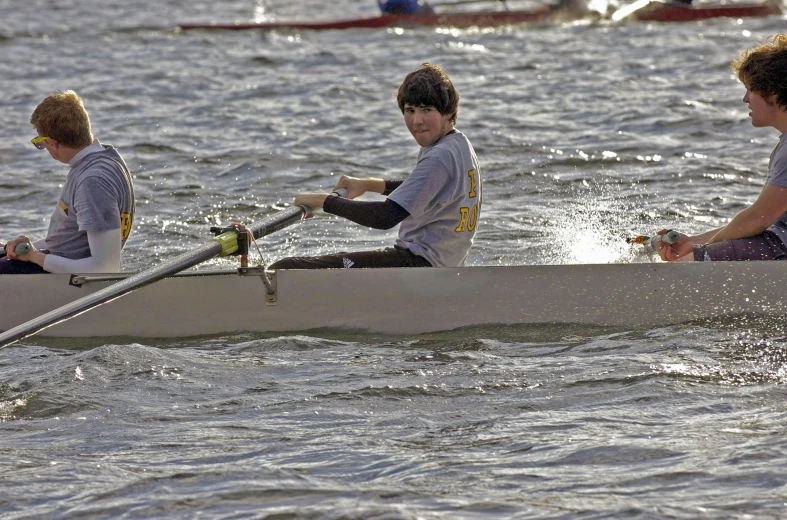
<point>587,133</point>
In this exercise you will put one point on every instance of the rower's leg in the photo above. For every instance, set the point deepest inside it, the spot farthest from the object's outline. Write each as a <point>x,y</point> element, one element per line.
<point>765,246</point>
<point>388,257</point>
<point>8,266</point>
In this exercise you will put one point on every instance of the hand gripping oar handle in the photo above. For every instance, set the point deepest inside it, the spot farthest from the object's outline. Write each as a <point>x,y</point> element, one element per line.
<point>20,249</point>
<point>339,192</point>
<point>670,237</point>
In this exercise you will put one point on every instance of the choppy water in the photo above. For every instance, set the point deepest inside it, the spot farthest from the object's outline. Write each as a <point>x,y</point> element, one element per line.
<point>586,132</point>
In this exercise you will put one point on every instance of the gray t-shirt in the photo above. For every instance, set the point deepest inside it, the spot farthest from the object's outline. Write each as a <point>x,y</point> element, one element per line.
<point>777,175</point>
<point>443,197</point>
<point>97,196</point>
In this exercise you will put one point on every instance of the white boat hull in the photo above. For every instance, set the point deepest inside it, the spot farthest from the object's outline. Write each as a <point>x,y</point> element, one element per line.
<point>407,301</point>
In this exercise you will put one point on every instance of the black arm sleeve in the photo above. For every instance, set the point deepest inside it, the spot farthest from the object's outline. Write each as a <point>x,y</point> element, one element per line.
<point>378,215</point>
<point>390,186</point>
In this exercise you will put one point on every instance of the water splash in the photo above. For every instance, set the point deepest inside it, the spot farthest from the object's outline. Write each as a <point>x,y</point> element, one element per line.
<point>591,225</point>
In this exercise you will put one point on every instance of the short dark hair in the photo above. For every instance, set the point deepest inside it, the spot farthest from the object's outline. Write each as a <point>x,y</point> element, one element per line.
<point>763,69</point>
<point>429,85</point>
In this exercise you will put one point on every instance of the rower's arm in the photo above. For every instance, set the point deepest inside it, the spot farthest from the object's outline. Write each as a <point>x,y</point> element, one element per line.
<point>104,256</point>
<point>373,214</point>
<point>358,186</point>
<point>768,207</point>
<point>704,238</point>
<point>390,186</point>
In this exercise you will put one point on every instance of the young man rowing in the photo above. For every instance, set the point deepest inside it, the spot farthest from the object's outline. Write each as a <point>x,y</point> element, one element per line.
<point>759,232</point>
<point>94,214</point>
<point>438,205</point>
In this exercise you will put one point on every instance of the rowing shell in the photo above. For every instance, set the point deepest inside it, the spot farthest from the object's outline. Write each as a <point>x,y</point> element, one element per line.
<point>407,301</point>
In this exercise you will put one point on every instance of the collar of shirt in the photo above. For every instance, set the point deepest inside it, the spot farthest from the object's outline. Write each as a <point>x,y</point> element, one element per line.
<point>94,147</point>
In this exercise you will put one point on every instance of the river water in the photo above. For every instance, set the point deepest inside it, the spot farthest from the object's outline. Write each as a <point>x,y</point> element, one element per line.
<point>586,132</point>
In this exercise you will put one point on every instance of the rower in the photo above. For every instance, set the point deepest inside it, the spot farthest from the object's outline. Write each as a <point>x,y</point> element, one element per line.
<point>758,232</point>
<point>94,213</point>
<point>437,207</point>
<point>405,7</point>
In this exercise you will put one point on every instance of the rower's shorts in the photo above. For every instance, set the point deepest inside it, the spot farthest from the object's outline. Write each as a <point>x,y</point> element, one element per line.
<point>8,266</point>
<point>389,257</point>
<point>765,246</point>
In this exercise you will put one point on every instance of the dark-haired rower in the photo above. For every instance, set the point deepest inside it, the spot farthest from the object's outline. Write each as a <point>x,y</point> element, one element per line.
<point>437,206</point>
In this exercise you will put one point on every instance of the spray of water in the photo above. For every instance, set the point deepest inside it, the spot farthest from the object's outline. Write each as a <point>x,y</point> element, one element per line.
<point>591,224</point>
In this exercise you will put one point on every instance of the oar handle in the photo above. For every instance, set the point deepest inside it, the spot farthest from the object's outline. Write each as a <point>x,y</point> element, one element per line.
<point>670,237</point>
<point>20,249</point>
<point>339,192</point>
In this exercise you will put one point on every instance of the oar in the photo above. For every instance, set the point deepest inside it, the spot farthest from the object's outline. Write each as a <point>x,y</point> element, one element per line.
<point>222,245</point>
<point>20,249</point>
<point>670,237</point>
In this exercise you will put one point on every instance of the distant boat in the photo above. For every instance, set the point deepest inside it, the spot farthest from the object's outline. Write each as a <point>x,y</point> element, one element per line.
<point>644,10</point>
<point>460,20</point>
<point>675,11</point>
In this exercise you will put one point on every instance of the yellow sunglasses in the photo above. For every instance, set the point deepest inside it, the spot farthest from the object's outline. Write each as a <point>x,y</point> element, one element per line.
<point>38,142</point>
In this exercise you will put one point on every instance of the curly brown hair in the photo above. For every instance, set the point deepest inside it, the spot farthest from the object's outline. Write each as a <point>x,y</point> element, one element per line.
<point>62,117</point>
<point>429,86</point>
<point>763,69</point>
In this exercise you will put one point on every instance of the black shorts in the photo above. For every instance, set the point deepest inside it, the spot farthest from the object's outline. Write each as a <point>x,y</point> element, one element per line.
<point>8,266</point>
<point>389,257</point>
<point>765,246</point>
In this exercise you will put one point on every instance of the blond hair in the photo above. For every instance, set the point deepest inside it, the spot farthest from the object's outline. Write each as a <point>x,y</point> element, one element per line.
<point>62,117</point>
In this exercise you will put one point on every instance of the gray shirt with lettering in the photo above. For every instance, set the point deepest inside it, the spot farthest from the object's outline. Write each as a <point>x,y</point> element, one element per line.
<point>777,175</point>
<point>98,196</point>
<point>443,197</point>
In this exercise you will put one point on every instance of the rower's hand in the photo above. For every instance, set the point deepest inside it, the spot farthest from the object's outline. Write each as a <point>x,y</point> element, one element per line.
<point>356,187</point>
<point>313,201</point>
<point>10,249</point>
<point>671,252</point>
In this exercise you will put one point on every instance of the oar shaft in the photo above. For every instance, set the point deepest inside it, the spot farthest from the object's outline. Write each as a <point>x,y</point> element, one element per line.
<point>211,249</point>
<point>284,218</point>
<point>111,292</point>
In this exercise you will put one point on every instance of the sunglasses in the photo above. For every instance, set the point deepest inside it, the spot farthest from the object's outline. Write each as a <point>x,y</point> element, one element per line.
<point>38,142</point>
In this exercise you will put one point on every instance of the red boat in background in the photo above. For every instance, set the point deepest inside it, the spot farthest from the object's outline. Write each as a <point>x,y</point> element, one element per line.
<point>460,20</point>
<point>566,10</point>
<point>681,12</point>
<point>677,11</point>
